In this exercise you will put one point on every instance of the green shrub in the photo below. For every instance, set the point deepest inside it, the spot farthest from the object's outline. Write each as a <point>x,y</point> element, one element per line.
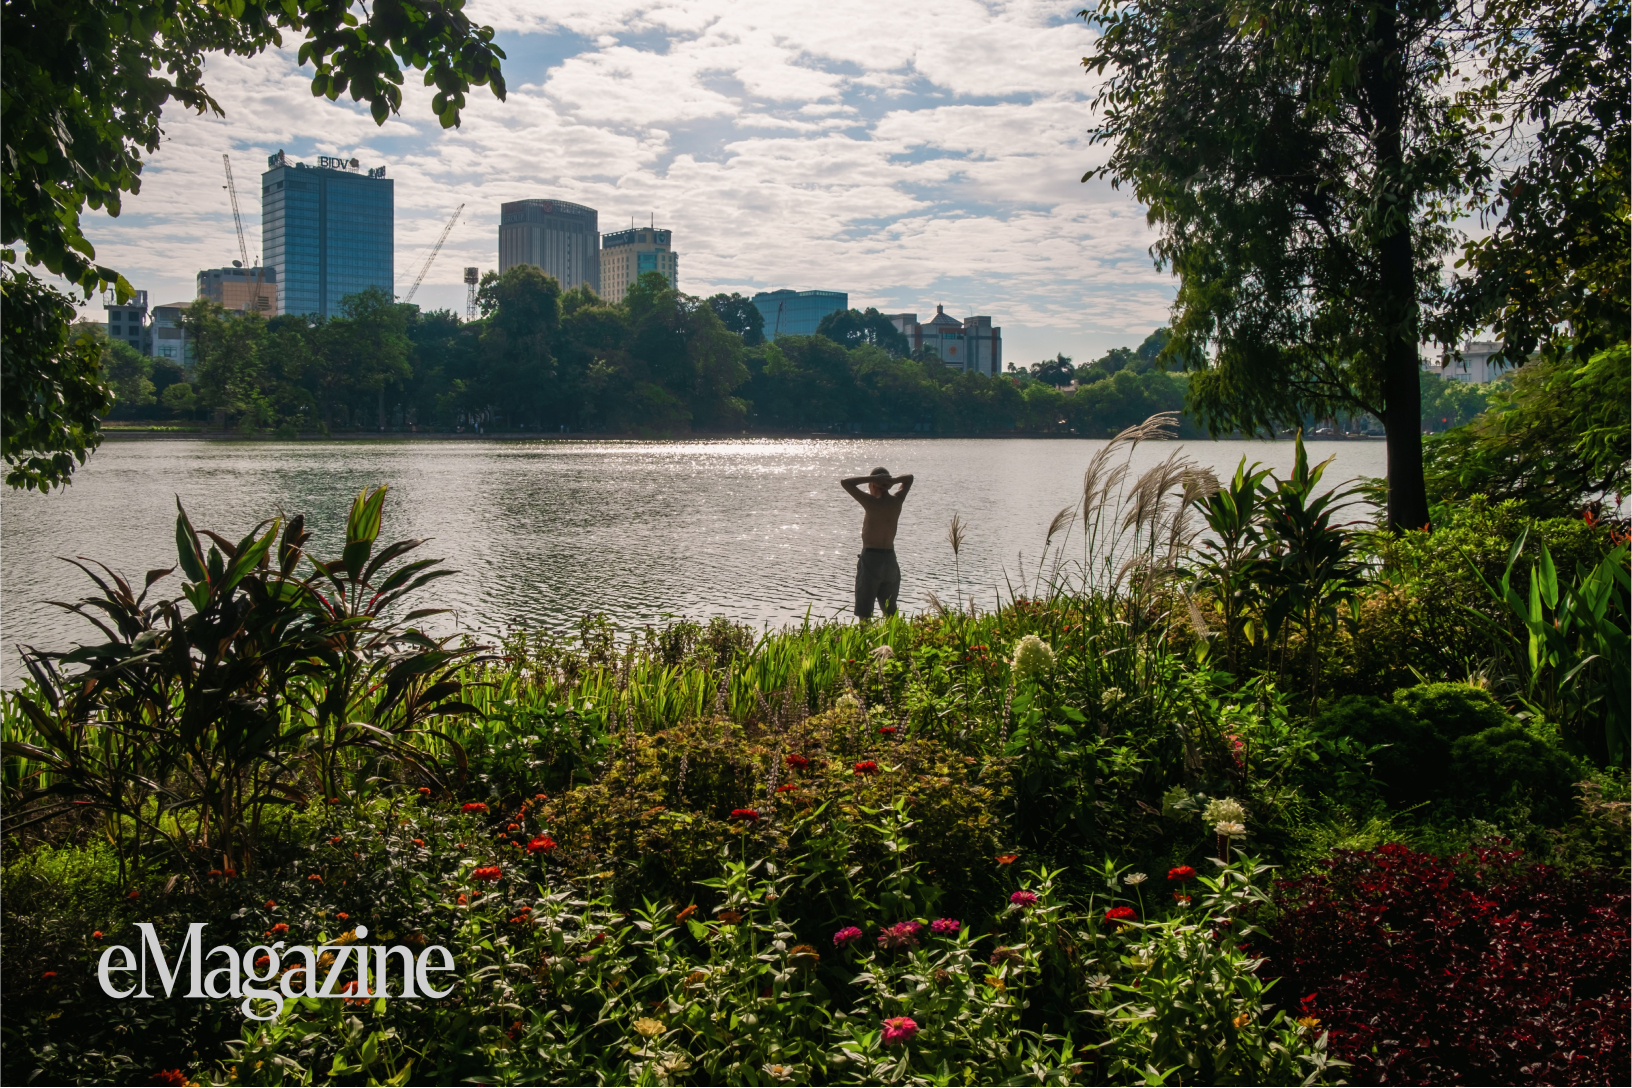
<point>1510,763</point>
<point>1452,711</point>
<point>1407,757</point>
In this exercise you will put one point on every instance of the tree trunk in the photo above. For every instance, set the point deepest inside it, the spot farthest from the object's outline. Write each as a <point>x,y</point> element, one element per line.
<point>382,408</point>
<point>1384,79</point>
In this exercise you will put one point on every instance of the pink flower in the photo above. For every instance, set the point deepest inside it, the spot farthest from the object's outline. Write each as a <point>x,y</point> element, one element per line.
<point>1023,899</point>
<point>898,1029</point>
<point>846,935</point>
<point>900,935</point>
<point>945,927</point>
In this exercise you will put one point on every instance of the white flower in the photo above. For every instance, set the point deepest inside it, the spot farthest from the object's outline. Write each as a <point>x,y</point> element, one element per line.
<point>1225,809</point>
<point>848,701</point>
<point>778,1072</point>
<point>1135,879</point>
<point>1111,696</point>
<point>1032,657</point>
<point>1230,829</point>
<point>882,653</point>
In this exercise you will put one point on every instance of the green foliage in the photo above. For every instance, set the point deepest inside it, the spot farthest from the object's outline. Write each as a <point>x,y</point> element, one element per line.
<point>180,730</point>
<point>55,389</point>
<point>1406,756</point>
<point>1508,763</point>
<point>1452,711</point>
<point>1555,438</point>
<point>852,328</point>
<point>1552,272</point>
<point>1448,403</point>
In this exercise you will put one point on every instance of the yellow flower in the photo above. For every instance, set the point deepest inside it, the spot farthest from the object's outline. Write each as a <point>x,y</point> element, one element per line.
<point>648,1027</point>
<point>1308,1023</point>
<point>803,955</point>
<point>996,983</point>
<point>1241,1021</point>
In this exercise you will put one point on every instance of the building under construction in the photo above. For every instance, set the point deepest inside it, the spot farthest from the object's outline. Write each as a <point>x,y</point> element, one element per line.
<point>241,290</point>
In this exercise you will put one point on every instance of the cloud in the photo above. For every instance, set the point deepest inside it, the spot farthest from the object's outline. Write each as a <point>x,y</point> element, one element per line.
<point>910,153</point>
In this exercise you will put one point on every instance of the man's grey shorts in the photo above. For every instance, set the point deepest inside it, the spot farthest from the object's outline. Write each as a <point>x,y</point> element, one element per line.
<point>878,578</point>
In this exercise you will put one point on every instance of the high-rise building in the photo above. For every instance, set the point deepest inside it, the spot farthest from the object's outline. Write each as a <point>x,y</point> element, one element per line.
<point>971,344</point>
<point>240,289</point>
<point>561,238</point>
<point>797,313</point>
<point>127,321</point>
<point>326,232</point>
<point>628,254</point>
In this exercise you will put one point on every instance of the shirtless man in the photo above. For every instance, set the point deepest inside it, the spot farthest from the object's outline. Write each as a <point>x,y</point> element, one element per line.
<point>878,577</point>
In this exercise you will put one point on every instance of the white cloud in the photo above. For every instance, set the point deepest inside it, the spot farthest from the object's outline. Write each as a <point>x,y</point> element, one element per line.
<point>909,153</point>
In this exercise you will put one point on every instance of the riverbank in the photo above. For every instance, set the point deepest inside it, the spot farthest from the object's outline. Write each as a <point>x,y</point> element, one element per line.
<point>169,431</point>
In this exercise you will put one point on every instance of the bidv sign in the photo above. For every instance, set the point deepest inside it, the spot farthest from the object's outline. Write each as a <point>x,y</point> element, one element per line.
<point>336,162</point>
<point>245,976</point>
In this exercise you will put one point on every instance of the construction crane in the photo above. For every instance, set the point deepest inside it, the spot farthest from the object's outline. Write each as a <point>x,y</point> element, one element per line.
<point>238,222</point>
<point>452,219</point>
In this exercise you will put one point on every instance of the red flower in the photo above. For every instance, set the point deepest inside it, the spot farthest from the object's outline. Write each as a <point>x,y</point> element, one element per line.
<point>473,806</point>
<point>169,1076</point>
<point>540,797</point>
<point>230,873</point>
<point>342,915</point>
<point>749,815</point>
<point>278,930</point>
<point>335,841</point>
<point>134,894</point>
<point>797,762</point>
<point>419,842</point>
<point>1181,874</point>
<point>488,873</point>
<point>263,961</point>
<point>1007,859</point>
<point>887,730</point>
<point>424,791</point>
<point>515,827</point>
<point>270,903</point>
<point>334,800</point>
<point>462,899</point>
<point>1121,914</point>
<point>1181,899</point>
<point>213,872</point>
<point>543,843</point>
<point>49,975</point>
<point>786,787</point>
<point>97,936</point>
<point>866,766</point>
<point>317,877</point>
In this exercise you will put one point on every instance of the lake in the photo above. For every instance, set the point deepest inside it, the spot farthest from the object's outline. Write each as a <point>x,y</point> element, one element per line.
<point>542,531</point>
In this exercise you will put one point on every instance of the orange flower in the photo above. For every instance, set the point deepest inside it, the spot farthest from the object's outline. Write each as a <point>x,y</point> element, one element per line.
<point>687,913</point>
<point>1007,859</point>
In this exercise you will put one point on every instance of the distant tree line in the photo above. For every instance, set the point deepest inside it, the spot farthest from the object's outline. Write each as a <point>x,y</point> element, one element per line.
<point>658,362</point>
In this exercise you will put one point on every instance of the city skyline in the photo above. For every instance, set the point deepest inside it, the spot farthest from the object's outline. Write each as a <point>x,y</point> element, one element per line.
<point>933,160</point>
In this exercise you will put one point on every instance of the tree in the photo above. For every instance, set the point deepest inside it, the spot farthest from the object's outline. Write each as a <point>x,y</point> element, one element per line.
<point>1302,163</point>
<point>1552,275</point>
<point>517,338</point>
<point>83,84</point>
<point>52,389</point>
<point>853,328</point>
<point>1055,371</point>
<point>1557,436</point>
<point>741,316</point>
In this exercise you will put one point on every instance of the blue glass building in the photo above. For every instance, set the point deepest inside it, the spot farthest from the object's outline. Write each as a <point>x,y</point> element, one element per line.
<point>326,232</point>
<point>797,313</point>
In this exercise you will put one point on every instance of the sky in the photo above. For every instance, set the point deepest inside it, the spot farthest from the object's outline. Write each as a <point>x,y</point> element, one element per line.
<point>909,153</point>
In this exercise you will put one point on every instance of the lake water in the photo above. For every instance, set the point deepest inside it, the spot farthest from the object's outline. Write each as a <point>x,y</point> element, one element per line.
<point>542,531</point>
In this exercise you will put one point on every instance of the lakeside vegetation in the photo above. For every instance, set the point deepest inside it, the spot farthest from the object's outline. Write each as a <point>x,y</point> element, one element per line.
<point>1144,821</point>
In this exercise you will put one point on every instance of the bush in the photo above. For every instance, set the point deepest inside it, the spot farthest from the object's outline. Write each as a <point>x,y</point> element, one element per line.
<point>1511,764</point>
<point>1407,757</point>
<point>1452,711</point>
<point>1481,970</point>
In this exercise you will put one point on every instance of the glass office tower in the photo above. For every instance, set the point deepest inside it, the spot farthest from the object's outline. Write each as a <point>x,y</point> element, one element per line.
<point>326,232</point>
<point>797,313</point>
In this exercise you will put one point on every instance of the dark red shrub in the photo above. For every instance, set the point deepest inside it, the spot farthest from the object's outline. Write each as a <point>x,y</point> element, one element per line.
<point>1480,970</point>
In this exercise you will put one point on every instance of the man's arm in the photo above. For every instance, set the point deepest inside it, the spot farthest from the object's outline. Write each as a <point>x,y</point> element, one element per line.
<point>905,480</point>
<point>857,491</point>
